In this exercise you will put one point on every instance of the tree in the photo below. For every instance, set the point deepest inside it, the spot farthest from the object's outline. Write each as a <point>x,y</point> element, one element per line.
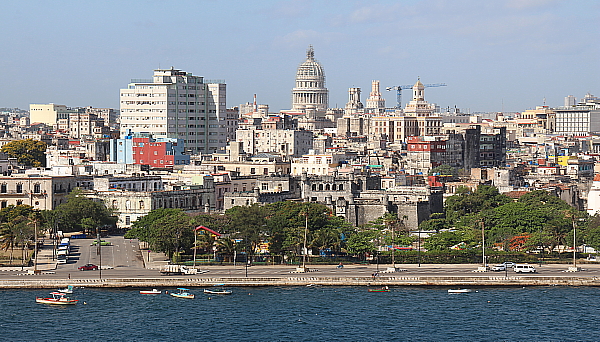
<point>80,213</point>
<point>362,243</point>
<point>443,240</point>
<point>28,152</point>
<point>249,224</point>
<point>142,227</point>
<point>172,234</point>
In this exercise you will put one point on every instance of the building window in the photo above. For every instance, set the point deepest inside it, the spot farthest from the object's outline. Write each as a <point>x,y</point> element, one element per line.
<point>19,188</point>
<point>37,188</point>
<point>3,204</point>
<point>3,188</point>
<point>127,220</point>
<point>252,170</point>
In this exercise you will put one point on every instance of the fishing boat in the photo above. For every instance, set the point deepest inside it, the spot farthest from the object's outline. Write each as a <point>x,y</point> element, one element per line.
<point>381,289</point>
<point>222,292</point>
<point>68,290</point>
<point>183,293</point>
<point>58,298</point>
<point>460,291</point>
<point>151,292</point>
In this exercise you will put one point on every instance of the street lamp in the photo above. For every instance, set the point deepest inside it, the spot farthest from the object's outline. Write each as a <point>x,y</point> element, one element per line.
<point>574,268</point>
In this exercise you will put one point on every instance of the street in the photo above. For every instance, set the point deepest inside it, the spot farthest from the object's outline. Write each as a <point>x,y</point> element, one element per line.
<point>124,259</point>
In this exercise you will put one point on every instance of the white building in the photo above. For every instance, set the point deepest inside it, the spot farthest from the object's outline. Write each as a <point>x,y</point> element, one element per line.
<point>375,102</point>
<point>316,164</point>
<point>176,104</point>
<point>283,142</point>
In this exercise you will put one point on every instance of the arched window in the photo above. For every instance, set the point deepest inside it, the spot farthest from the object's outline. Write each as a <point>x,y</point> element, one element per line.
<point>128,204</point>
<point>3,188</point>
<point>327,187</point>
<point>341,187</point>
<point>314,187</point>
<point>114,204</point>
<point>333,187</point>
<point>19,188</point>
<point>37,188</point>
<point>320,187</point>
<point>141,204</point>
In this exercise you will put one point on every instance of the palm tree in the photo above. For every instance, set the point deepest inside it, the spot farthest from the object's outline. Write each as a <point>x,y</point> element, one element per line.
<point>7,238</point>
<point>226,246</point>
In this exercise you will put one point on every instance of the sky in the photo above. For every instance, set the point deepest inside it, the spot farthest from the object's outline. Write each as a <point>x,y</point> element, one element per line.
<point>493,55</point>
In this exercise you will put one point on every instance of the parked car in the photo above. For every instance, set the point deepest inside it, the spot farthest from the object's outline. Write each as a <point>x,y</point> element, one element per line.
<point>88,267</point>
<point>498,268</point>
<point>524,268</point>
<point>509,264</point>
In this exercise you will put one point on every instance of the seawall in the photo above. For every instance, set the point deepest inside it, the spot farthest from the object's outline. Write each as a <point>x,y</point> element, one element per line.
<point>187,281</point>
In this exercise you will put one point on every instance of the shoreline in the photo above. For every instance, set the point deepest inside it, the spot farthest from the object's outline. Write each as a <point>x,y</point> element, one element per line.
<point>467,281</point>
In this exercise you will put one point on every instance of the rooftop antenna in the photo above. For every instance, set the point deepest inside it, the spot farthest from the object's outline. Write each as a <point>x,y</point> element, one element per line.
<point>544,100</point>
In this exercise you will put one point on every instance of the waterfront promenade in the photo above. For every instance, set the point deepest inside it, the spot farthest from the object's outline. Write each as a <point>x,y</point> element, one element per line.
<point>126,265</point>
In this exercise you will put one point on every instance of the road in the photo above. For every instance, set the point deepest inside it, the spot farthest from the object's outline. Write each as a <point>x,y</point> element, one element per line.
<point>124,258</point>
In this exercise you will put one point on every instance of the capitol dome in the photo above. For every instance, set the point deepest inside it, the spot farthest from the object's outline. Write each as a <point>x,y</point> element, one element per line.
<point>310,91</point>
<point>310,68</point>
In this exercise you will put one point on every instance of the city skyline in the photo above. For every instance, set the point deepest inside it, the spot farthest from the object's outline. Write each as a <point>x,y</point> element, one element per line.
<point>496,56</point>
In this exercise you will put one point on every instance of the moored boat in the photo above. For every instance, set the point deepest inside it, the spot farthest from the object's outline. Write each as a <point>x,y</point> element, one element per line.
<point>459,291</point>
<point>68,290</point>
<point>153,291</point>
<point>58,298</point>
<point>223,292</point>
<point>183,293</point>
<point>381,289</point>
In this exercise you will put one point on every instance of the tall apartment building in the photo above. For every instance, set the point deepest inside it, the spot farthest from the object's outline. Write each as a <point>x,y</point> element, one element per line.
<point>177,104</point>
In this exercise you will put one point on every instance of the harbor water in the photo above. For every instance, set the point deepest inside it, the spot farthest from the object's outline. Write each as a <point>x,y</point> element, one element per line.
<point>308,314</point>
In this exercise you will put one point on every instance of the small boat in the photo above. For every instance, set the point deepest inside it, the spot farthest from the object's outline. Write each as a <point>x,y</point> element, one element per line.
<point>183,293</point>
<point>68,290</point>
<point>223,292</point>
<point>58,298</point>
<point>460,291</point>
<point>153,291</point>
<point>381,289</point>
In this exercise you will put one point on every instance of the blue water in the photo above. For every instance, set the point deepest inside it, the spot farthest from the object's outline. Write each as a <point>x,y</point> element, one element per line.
<point>308,314</point>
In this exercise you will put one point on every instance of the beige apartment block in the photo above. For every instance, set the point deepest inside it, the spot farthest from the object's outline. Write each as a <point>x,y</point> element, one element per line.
<point>45,113</point>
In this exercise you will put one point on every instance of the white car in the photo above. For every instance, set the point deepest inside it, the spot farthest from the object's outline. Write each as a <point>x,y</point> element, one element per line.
<point>498,268</point>
<point>520,268</point>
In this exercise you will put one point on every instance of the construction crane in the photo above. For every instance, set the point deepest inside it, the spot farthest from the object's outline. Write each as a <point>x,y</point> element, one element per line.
<point>400,88</point>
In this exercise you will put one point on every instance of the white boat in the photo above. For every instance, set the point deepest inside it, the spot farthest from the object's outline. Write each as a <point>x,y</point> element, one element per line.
<point>68,290</point>
<point>153,291</point>
<point>58,298</point>
<point>460,291</point>
<point>223,292</point>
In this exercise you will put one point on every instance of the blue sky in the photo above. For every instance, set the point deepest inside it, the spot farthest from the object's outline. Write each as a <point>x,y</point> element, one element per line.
<point>493,55</point>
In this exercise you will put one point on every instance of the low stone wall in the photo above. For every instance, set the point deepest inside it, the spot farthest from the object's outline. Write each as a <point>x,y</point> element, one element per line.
<point>303,281</point>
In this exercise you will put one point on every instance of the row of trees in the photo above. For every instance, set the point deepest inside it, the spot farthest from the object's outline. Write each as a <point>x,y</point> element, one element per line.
<point>281,225</point>
<point>536,220</point>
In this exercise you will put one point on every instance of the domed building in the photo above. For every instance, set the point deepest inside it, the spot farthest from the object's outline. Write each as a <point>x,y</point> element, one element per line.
<point>310,92</point>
